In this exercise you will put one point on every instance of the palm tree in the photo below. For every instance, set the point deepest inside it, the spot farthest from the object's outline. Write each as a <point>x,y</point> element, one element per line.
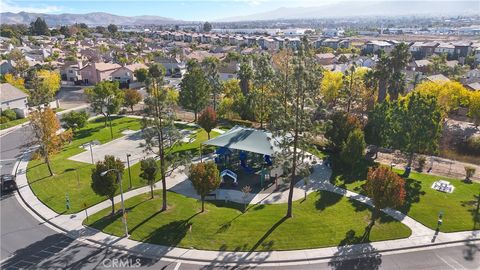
<point>383,70</point>
<point>245,74</point>
<point>399,58</point>
<point>396,85</point>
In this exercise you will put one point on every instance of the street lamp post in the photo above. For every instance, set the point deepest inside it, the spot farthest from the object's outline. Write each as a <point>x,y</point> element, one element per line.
<point>129,173</point>
<point>119,178</point>
<point>91,151</point>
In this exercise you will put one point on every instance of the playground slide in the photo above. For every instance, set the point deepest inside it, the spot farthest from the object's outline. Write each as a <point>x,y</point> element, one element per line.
<point>230,174</point>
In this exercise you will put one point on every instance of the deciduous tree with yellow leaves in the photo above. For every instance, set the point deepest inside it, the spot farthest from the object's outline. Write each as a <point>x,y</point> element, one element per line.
<point>46,83</point>
<point>45,126</point>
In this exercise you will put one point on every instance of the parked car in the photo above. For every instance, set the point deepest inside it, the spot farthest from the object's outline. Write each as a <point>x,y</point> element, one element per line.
<point>7,182</point>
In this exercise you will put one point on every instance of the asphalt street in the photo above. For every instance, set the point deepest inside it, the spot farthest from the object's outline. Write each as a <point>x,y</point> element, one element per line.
<point>27,243</point>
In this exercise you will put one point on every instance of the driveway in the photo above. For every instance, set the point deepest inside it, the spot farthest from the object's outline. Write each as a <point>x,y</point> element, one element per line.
<point>71,96</point>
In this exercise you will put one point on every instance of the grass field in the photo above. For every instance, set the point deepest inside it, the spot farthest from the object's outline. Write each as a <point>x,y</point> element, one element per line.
<point>73,178</point>
<point>424,203</point>
<point>323,219</point>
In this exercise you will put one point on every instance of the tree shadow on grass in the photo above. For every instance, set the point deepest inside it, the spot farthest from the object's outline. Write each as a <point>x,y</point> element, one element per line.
<point>143,221</point>
<point>84,133</point>
<point>327,199</point>
<point>171,233</point>
<point>105,221</point>
<point>346,175</point>
<point>360,207</point>
<point>413,189</point>
<point>354,252</point>
<point>261,242</point>
<point>474,210</point>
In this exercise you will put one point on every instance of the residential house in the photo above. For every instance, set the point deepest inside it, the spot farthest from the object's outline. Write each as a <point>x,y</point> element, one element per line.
<point>422,50</point>
<point>6,66</point>
<point>332,43</point>
<point>13,98</point>
<point>228,71</point>
<point>125,75</point>
<point>172,65</point>
<point>375,46</point>
<point>473,86</point>
<point>293,43</point>
<point>422,65</point>
<point>93,72</point>
<point>325,58</point>
<point>71,71</point>
<point>446,48</point>
<point>471,76</point>
<point>438,78</point>
<point>462,48</point>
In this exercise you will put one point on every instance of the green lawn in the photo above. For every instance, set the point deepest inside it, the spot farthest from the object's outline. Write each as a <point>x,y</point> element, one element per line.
<point>424,203</point>
<point>53,190</point>
<point>324,219</point>
<point>13,123</point>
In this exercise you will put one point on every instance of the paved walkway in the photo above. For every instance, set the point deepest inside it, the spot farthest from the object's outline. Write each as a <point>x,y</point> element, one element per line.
<point>72,226</point>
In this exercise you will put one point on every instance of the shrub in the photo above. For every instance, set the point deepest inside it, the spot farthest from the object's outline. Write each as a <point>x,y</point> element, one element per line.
<point>10,114</point>
<point>421,163</point>
<point>473,144</point>
<point>240,122</point>
<point>4,119</point>
<point>469,172</point>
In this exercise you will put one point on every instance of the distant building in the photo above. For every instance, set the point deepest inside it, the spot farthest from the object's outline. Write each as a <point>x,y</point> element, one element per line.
<point>446,48</point>
<point>375,46</point>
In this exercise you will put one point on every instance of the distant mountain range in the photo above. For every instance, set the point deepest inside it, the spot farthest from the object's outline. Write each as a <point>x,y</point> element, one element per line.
<point>335,10</point>
<point>367,8</point>
<point>96,18</point>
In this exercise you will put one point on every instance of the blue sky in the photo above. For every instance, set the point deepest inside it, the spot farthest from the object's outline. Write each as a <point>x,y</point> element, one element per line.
<point>186,10</point>
<point>200,10</point>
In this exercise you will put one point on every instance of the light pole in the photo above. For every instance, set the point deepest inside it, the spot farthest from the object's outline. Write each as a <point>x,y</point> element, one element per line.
<point>119,178</point>
<point>129,173</point>
<point>91,151</point>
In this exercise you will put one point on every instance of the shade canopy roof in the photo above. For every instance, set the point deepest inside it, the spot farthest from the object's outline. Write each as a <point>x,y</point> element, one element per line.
<point>246,139</point>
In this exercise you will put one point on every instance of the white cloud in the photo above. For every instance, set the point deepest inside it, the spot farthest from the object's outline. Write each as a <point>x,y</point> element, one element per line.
<point>8,6</point>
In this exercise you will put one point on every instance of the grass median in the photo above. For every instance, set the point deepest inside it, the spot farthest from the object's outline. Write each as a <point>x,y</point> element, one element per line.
<point>460,208</point>
<point>323,219</point>
<point>73,178</point>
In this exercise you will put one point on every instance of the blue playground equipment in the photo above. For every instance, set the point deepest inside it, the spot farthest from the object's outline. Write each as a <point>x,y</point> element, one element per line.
<point>267,160</point>
<point>222,154</point>
<point>230,174</point>
<point>243,163</point>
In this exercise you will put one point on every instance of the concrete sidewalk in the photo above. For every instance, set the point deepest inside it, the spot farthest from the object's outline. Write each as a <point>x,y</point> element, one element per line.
<point>72,226</point>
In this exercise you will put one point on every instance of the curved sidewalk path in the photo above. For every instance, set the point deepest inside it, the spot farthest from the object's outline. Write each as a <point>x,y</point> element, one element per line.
<point>72,226</point>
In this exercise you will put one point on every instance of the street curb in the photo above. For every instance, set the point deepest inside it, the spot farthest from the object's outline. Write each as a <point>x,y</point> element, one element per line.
<point>240,261</point>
